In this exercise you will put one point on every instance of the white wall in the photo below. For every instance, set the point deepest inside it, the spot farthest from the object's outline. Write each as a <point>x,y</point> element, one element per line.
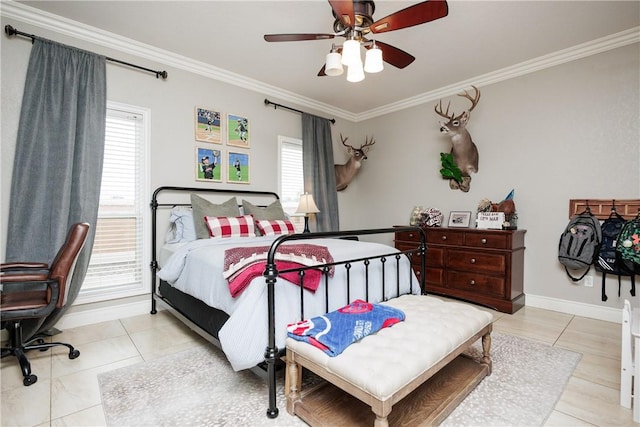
<point>548,135</point>
<point>567,132</point>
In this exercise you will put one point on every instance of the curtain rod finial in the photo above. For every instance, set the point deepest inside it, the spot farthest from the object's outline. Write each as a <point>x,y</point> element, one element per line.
<point>9,30</point>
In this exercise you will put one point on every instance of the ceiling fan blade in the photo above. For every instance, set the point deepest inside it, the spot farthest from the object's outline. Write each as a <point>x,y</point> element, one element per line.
<point>394,56</point>
<point>296,37</point>
<point>344,11</point>
<point>413,15</point>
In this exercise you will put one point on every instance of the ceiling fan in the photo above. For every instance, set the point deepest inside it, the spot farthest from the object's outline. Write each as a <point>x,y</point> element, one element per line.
<point>354,21</point>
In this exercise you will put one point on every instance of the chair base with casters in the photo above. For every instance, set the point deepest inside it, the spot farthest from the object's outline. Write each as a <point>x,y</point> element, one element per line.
<point>19,349</point>
<point>33,290</point>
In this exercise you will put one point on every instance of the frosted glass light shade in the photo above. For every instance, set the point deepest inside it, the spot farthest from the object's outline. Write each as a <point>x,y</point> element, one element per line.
<point>350,52</point>
<point>333,64</point>
<point>355,73</point>
<point>373,60</point>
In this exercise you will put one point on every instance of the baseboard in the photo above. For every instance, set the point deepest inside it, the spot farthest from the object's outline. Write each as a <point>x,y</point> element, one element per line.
<point>591,311</point>
<point>82,316</point>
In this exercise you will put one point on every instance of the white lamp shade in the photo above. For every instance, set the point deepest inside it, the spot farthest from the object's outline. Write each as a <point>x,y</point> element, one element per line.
<point>333,65</point>
<point>355,73</point>
<point>307,205</point>
<point>373,60</point>
<point>350,52</point>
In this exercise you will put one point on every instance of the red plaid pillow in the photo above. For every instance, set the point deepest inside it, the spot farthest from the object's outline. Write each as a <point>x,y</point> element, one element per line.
<point>227,226</point>
<point>275,226</point>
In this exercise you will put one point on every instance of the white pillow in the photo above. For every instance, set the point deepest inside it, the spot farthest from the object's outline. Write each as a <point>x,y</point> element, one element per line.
<point>181,228</point>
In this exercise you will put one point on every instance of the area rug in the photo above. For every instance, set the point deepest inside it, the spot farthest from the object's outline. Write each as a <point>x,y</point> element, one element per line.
<point>197,387</point>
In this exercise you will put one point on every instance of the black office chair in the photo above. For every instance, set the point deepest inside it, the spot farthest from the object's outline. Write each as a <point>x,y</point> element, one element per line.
<point>30,290</point>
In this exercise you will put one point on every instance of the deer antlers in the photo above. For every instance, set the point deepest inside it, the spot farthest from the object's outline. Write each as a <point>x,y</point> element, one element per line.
<point>367,142</point>
<point>474,101</point>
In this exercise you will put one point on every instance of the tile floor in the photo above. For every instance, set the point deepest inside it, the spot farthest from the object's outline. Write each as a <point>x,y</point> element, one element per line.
<point>67,393</point>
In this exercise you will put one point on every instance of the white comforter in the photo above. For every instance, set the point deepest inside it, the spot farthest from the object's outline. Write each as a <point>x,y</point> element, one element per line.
<point>196,269</point>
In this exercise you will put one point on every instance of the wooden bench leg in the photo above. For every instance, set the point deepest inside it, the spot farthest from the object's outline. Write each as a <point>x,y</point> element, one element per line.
<point>287,378</point>
<point>381,422</point>
<point>292,382</point>
<point>486,349</point>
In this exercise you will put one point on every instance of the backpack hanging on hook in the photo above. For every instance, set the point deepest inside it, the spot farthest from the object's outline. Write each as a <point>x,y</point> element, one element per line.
<point>628,247</point>
<point>608,262</point>
<point>579,243</point>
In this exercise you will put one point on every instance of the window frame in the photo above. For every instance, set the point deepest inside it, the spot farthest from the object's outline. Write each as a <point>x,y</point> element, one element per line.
<point>105,293</point>
<point>296,219</point>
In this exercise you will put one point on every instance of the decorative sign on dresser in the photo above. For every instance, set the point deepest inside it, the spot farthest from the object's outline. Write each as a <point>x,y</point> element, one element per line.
<point>481,266</point>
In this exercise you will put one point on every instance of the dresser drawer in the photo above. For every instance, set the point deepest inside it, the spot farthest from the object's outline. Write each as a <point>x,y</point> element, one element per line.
<point>487,240</point>
<point>435,276</point>
<point>415,256</point>
<point>482,262</point>
<point>445,237</point>
<point>477,283</point>
<point>407,236</point>
<point>435,257</point>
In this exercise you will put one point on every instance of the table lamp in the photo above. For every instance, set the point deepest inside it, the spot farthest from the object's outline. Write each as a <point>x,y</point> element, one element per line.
<point>307,206</point>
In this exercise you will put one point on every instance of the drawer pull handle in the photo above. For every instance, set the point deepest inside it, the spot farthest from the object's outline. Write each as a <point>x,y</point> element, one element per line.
<point>483,241</point>
<point>444,237</point>
<point>410,234</point>
<point>472,282</point>
<point>473,260</point>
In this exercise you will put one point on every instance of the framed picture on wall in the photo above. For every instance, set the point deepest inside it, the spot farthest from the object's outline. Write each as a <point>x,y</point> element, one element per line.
<point>208,164</point>
<point>238,134</point>
<point>208,125</point>
<point>239,168</point>
<point>459,218</point>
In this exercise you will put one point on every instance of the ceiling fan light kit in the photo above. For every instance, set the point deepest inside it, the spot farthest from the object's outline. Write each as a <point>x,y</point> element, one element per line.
<point>333,65</point>
<point>373,60</point>
<point>354,21</point>
<point>351,52</point>
<point>355,73</point>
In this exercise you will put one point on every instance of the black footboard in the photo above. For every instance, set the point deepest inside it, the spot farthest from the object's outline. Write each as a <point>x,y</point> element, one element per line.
<point>271,274</point>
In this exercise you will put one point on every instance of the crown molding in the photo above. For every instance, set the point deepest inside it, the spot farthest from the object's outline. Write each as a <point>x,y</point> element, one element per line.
<point>573,53</point>
<point>62,25</point>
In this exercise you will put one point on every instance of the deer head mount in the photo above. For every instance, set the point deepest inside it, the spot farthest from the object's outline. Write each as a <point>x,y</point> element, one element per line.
<point>345,173</point>
<point>463,150</point>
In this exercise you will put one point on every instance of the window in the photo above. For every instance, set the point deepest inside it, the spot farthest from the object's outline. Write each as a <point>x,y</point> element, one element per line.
<point>119,261</point>
<point>290,177</point>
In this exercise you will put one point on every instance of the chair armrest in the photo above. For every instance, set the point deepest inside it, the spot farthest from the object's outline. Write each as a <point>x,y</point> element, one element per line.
<point>24,266</point>
<point>27,307</point>
<point>20,277</point>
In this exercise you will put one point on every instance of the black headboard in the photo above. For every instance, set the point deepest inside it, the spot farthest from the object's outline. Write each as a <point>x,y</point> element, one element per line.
<point>170,196</point>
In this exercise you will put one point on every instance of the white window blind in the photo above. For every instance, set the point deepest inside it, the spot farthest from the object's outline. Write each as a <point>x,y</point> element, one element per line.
<point>116,268</point>
<point>291,178</point>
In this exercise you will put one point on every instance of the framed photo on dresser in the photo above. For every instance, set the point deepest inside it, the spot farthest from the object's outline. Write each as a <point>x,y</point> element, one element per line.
<point>459,219</point>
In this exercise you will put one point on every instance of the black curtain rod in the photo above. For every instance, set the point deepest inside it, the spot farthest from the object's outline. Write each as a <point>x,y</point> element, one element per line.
<point>12,31</point>
<point>275,107</point>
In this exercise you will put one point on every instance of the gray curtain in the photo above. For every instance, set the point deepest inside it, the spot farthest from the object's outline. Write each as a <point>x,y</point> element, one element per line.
<point>318,170</point>
<point>58,161</point>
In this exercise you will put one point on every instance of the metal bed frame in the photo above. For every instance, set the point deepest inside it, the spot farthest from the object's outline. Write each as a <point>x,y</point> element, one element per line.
<point>271,273</point>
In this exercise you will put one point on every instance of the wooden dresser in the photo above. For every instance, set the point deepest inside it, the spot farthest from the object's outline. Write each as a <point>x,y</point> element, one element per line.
<point>481,266</point>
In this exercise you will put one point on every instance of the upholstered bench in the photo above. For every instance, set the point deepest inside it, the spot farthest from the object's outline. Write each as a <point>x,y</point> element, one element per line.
<point>417,363</point>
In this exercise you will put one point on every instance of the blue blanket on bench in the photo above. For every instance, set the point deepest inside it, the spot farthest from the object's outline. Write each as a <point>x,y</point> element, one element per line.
<point>335,331</point>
